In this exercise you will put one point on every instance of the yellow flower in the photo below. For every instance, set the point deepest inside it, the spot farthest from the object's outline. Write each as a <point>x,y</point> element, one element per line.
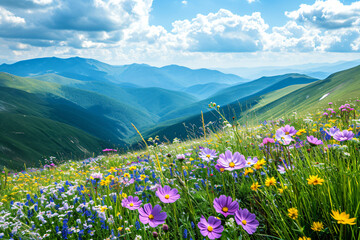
<point>142,177</point>
<point>317,226</point>
<point>293,213</point>
<point>315,180</point>
<point>112,170</point>
<point>281,190</point>
<point>304,238</point>
<point>300,132</point>
<point>270,182</point>
<point>132,168</point>
<point>314,130</point>
<point>103,208</point>
<point>255,186</point>
<point>259,164</point>
<point>119,228</point>
<point>124,195</point>
<point>248,170</point>
<point>127,175</point>
<point>328,125</point>
<point>343,218</point>
<point>109,178</point>
<point>350,129</point>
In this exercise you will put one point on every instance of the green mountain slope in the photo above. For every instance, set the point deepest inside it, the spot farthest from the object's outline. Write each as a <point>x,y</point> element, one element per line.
<point>120,114</point>
<point>272,102</point>
<point>338,87</point>
<point>154,101</point>
<point>240,91</point>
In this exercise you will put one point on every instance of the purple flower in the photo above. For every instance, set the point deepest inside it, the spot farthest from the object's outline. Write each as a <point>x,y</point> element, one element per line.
<point>281,169</point>
<point>167,195</point>
<point>268,140</point>
<point>131,203</point>
<point>181,157</point>
<point>251,161</point>
<point>207,154</point>
<point>289,130</point>
<point>343,136</point>
<point>152,216</point>
<point>219,168</point>
<point>212,228</point>
<point>247,220</point>
<point>96,176</point>
<point>332,131</point>
<point>225,205</point>
<point>314,141</point>
<point>283,138</point>
<point>231,162</point>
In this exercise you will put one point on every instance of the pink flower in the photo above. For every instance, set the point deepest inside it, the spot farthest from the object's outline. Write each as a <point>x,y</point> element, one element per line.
<point>167,195</point>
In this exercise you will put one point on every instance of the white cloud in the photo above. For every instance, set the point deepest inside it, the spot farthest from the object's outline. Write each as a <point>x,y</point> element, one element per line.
<point>8,18</point>
<point>328,14</point>
<point>119,30</point>
<point>251,1</point>
<point>184,2</point>
<point>221,32</point>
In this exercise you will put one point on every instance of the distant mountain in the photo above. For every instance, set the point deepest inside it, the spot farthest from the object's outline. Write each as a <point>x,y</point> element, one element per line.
<point>316,70</point>
<point>171,77</point>
<point>233,93</point>
<point>203,91</point>
<point>162,100</point>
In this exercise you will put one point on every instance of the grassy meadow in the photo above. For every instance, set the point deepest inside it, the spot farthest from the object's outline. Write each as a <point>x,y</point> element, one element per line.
<point>288,178</point>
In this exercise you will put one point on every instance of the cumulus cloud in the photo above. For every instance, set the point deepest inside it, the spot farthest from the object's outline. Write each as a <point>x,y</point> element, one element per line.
<point>329,14</point>
<point>9,18</point>
<point>221,32</point>
<point>121,28</point>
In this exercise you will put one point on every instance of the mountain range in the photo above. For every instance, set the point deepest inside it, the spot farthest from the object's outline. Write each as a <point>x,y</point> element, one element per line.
<point>73,107</point>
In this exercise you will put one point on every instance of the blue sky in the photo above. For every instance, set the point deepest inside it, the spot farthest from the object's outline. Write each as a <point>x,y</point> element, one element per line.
<point>194,33</point>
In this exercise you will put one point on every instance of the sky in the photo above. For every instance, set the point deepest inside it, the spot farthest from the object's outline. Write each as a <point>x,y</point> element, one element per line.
<point>192,33</point>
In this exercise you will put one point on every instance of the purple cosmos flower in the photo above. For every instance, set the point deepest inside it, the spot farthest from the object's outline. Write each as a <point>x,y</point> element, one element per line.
<point>247,220</point>
<point>96,176</point>
<point>225,205</point>
<point>231,162</point>
<point>283,138</point>
<point>152,216</point>
<point>332,131</point>
<point>167,195</point>
<point>212,228</point>
<point>207,154</point>
<point>251,161</point>
<point>314,141</point>
<point>289,130</point>
<point>343,136</point>
<point>131,203</point>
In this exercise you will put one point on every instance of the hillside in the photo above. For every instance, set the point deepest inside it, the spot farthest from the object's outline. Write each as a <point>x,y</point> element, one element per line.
<point>316,96</point>
<point>274,101</point>
<point>240,91</point>
<point>108,109</point>
<point>161,99</point>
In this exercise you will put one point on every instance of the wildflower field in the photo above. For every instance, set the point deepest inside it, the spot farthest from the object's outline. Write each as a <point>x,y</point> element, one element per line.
<point>293,178</point>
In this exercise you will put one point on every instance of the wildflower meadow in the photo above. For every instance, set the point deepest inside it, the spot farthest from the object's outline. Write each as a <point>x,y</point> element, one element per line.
<point>291,178</point>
